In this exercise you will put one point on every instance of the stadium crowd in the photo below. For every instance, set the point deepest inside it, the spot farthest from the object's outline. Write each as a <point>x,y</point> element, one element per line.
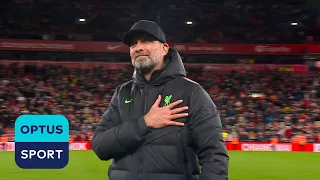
<point>219,21</point>
<point>254,106</point>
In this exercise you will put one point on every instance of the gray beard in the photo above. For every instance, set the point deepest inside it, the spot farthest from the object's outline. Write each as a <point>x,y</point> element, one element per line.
<point>146,66</point>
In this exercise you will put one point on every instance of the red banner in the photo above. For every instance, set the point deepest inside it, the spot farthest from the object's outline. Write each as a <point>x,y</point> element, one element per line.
<point>196,48</point>
<point>316,147</point>
<point>8,146</point>
<point>257,67</point>
<point>265,147</point>
<point>77,146</point>
<point>260,146</point>
<point>70,65</point>
<point>242,146</point>
<point>208,67</point>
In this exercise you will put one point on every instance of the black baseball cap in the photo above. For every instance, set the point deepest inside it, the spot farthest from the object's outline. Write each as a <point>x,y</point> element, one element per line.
<point>144,26</point>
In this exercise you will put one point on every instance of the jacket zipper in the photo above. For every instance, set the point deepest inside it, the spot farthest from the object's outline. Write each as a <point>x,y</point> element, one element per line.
<point>184,157</point>
<point>145,101</point>
<point>140,170</point>
<point>144,111</point>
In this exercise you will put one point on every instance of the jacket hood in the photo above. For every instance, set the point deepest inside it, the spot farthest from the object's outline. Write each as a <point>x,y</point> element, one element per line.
<point>173,68</point>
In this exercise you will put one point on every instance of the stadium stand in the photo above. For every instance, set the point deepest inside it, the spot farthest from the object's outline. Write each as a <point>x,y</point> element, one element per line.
<point>219,21</point>
<point>254,106</point>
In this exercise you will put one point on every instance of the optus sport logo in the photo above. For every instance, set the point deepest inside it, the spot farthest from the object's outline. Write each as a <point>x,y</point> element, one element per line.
<point>42,141</point>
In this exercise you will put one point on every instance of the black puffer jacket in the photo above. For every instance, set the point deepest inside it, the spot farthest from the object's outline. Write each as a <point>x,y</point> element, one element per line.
<point>170,153</point>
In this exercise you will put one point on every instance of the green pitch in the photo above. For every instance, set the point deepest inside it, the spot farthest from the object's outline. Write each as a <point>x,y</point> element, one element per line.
<point>84,165</point>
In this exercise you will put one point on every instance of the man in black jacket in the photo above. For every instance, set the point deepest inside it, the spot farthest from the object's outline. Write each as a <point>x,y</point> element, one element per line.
<point>160,125</point>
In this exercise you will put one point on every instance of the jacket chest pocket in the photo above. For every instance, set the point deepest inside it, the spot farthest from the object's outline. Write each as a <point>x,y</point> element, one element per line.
<point>130,110</point>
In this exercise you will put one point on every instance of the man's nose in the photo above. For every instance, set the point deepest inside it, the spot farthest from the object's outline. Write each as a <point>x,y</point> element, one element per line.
<point>139,46</point>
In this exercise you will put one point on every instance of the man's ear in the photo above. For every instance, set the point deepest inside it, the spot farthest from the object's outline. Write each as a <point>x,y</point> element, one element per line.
<point>165,48</point>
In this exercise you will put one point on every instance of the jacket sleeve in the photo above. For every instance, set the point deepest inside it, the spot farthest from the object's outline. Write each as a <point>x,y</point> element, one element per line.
<point>206,132</point>
<point>113,139</point>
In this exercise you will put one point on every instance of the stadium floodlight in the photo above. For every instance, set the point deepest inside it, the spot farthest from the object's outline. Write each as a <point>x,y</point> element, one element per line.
<point>82,20</point>
<point>294,24</point>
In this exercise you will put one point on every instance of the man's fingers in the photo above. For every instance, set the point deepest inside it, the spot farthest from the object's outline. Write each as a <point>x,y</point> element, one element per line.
<point>174,123</point>
<point>176,116</point>
<point>157,102</point>
<point>178,110</point>
<point>170,106</point>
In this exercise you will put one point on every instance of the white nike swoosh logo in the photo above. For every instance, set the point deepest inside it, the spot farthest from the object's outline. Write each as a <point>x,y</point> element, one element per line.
<point>113,47</point>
